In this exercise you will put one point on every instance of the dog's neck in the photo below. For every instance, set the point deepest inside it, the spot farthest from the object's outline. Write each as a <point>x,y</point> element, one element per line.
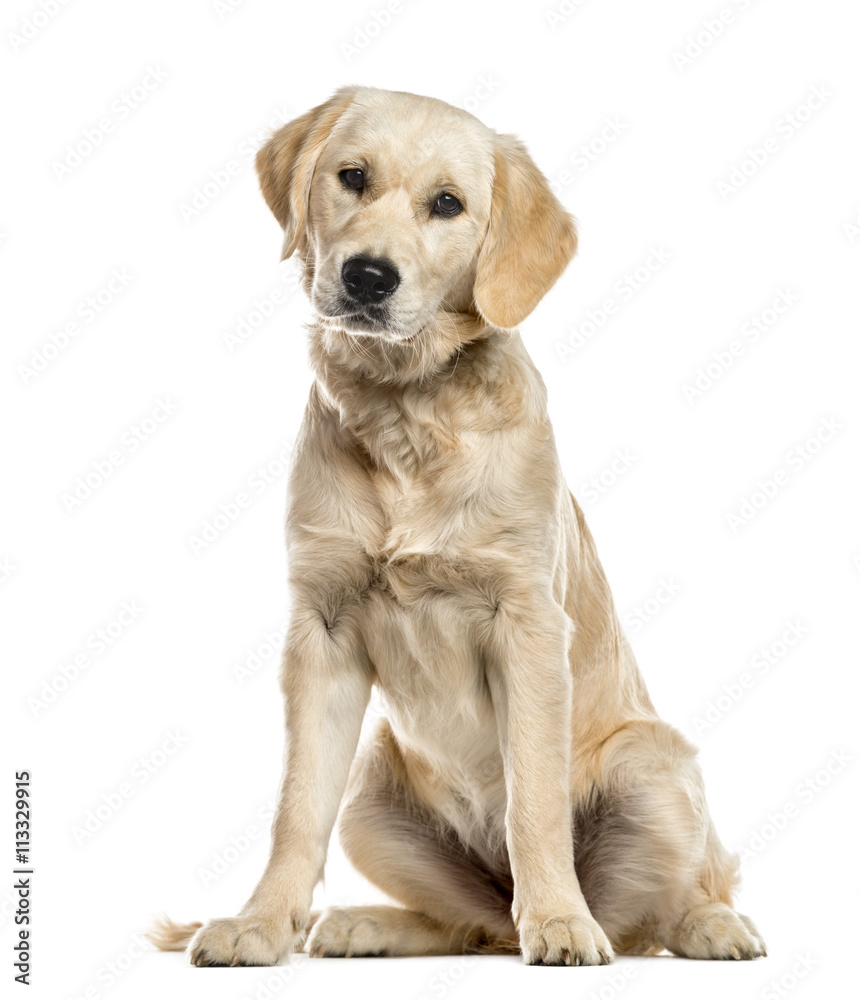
<point>401,402</point>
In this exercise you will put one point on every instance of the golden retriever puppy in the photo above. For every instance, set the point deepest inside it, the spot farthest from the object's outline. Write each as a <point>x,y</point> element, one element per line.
<point>521,794</point>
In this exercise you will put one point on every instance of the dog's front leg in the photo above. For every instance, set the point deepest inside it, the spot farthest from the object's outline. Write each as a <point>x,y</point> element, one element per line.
<point>531,686</point>
<point>326,682</point>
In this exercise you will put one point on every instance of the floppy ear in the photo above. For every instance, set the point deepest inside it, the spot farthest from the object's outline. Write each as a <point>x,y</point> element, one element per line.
<point>285,165</point>
<point>530,240</point>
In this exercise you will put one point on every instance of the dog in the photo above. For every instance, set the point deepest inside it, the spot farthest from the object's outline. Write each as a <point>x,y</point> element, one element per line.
<point>521,794</point>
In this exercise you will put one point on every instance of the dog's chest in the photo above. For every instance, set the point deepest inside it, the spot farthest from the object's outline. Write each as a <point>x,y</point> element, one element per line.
<point>432,511</point>
<point>419,632</point>
<point>428,486</point>
<point>415,521</point>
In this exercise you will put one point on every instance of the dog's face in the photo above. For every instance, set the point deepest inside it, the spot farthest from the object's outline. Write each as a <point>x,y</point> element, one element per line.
<point>399,204</point>
<point>404,208</point>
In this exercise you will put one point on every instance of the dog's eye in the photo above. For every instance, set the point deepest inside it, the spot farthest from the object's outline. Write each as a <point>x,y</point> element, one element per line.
<point>447,204</point>
<point>353,178</point>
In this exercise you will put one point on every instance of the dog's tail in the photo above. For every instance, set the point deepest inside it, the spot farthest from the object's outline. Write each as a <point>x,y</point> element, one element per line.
<point>168,936</point>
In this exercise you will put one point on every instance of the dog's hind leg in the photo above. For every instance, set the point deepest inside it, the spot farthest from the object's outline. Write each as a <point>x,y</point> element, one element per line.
<point>650,864</point>
<point>453,901</point>
<point>372,931</point>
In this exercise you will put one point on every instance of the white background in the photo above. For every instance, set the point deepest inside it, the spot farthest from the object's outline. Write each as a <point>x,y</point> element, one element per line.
<point>643,146</point>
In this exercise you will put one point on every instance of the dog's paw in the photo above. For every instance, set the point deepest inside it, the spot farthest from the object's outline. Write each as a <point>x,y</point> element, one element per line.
<point>345,932</point>
<point>757,940</point>
<point>566,940</point>
<point>239,941</point>
<point>716,931</point>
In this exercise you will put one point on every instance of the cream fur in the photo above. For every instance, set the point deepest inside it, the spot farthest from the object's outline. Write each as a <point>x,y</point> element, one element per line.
<point>522,793</point>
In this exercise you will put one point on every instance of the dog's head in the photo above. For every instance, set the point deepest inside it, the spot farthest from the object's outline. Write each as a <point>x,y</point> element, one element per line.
<point>403,208</point>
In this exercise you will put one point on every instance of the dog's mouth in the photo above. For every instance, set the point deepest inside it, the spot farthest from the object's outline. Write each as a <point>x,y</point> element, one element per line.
<point>367,322</point>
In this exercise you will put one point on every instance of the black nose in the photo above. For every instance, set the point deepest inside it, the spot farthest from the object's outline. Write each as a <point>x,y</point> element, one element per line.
<point>369,280</point>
